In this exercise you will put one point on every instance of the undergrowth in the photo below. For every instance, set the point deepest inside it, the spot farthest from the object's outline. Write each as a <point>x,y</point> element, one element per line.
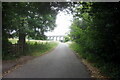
<point>107,69</point>
<point>32,48</point>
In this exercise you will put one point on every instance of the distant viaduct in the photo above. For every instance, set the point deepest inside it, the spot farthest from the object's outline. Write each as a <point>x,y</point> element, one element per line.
<point>56,38</point>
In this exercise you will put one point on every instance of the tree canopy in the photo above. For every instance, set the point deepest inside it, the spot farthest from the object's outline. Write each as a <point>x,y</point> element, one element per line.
<point>31,19</point>
<point>96,31</point>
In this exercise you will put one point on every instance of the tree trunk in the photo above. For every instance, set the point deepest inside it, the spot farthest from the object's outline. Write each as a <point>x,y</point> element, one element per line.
<point>21,42</point>
<point>22,36</point>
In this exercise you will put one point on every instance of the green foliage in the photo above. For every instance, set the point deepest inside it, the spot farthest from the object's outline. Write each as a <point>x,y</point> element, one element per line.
<point>31,19</point>
<point>66,38</point>
<point>106,69</point>
<point>36,48</point>
<point>96,33</point>
<point>5,50</point>
<point>21,19</point>
<point>32,48</point>
<point>28,19</point>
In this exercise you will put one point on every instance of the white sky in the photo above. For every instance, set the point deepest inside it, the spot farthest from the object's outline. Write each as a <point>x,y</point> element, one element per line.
<point>63,22</point>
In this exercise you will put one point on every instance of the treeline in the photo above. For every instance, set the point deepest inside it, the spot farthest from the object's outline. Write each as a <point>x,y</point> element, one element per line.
<point>95,31</point>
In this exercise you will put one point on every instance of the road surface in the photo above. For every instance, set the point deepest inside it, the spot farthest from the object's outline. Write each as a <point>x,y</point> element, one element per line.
<point>60,63</point>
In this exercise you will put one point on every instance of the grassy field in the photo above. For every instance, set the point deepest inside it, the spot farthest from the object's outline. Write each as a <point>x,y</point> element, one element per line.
<point>32,48</point>
<point>13,41</point>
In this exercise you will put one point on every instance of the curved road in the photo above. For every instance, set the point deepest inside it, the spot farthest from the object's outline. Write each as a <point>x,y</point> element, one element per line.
<point>60,63</point>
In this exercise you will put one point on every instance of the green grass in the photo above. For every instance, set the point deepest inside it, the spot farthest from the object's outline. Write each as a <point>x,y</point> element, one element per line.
<point>38,48</point>
<point>107,69</point>
<point>33,48</point>
<point>13,41</point>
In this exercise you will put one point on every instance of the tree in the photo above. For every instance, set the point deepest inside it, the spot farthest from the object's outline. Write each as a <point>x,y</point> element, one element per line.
<point>96,32</point>
<point>20,20</point>
<point>23,19</point>
<point>66,38</point>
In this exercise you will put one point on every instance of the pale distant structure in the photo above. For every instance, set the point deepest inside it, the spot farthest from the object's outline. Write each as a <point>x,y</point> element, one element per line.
<point>56,37</point>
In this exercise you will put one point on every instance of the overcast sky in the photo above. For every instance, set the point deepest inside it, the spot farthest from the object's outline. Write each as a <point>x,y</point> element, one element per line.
<point>63,22</point>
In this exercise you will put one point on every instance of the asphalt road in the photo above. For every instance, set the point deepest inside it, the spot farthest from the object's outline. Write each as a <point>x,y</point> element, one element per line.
<point>60,63</point>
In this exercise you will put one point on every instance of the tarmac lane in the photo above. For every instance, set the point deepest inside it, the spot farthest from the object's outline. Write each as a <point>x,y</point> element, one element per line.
<point>59,63</point>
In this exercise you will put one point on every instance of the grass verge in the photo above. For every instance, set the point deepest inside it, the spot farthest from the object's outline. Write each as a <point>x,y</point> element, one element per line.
<point>110,70</point>
<point>32,48</point>
<point>38,48</point>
